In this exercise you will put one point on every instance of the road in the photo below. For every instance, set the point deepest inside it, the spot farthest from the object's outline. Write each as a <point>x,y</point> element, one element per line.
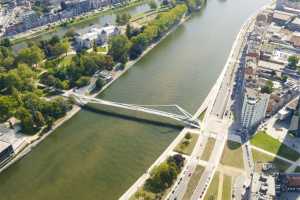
<point>217,120</point>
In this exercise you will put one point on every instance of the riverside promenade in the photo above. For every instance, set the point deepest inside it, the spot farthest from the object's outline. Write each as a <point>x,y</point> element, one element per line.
<point>225,81</point>
<point>209,102</point>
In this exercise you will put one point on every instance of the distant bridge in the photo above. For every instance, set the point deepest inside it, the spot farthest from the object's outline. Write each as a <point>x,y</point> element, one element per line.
<point>184,117</point>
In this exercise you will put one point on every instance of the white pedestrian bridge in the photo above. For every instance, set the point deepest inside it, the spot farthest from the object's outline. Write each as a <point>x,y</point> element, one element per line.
<point>182,115</point>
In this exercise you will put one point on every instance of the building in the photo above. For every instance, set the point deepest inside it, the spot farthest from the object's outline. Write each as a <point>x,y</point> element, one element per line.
<point>294,25</point>
<point>262,187</point>
<point>99,36</point>
<point>295,40</point>
<point>288,182</point>
<point>6,152</point>
<point>282,18</point>
<point>295,121</point>
<point>64,10</point>
<point>288,5</point>
<point>254,108</point>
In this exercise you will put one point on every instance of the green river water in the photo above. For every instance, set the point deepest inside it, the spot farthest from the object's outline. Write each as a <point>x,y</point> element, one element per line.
<point>95,156</point>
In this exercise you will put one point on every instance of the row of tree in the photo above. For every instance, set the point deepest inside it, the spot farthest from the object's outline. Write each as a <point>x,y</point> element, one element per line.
<point>135,41</point>
<point>163,176</point>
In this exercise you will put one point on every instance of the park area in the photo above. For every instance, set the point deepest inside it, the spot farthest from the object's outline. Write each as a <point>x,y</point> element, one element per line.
<point>233,155</point>
<point>187,144</point>
<point>260,158</point>
<point>266,142</point>
<point>208,149</point>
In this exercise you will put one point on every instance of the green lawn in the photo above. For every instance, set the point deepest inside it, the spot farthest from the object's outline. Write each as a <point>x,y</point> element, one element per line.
<point>193,182</point>
<point>66,60</point>
<point>266,142</point>
<point>208,149</point>
<point>259,157</point>
<point>186,146</point>
<point>233,155</point>
<point>212,192</point>
<point>226,194</point>
<point>101,49</point>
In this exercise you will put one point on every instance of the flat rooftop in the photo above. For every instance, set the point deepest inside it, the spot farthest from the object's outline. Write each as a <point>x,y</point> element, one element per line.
<point>282,15</point>
<point>270,65</point>
<point>296,21</point>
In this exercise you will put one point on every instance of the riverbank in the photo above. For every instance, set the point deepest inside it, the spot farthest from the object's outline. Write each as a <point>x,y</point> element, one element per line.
<point>50,28</point>
<point>38,139</point>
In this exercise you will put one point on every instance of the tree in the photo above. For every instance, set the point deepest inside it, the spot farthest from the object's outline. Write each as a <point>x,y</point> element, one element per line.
<point>128,31</point>
<point>284,78</point>
<point>57,108</point>
<point>100,83</point>
<point>21,78</point>
<point>82,81</point>
<point>188,136</point>
<point>26,119</point>
<point>54,40</point>
<point>119,48</point>
<point>152,4</point>
<point>60,48</point>
<point>39,119</point>
<point>123,19</point>
<point>7,107</point>
<point>268,87</point>
<point>163,175</point>
<point>139,44</point>
<point>70,33</point>
<point>49,122</point>
<point>5,42</point>
<point>293,61</point>
<point>31,56</point>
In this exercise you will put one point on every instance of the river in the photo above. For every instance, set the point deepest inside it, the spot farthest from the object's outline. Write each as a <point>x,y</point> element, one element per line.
<point>95,156</point>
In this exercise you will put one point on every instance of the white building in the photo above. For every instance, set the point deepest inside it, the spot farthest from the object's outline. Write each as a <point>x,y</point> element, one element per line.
<point>98,35</point>
<point>254,108</point>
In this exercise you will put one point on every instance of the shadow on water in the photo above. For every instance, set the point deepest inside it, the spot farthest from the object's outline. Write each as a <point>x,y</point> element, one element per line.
<point>128,116</point>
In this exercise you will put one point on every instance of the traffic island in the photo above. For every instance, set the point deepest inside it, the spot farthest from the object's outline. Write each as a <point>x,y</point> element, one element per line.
<point>193,182</point>
<point>208,149</point>
<point>226,192</point>
<point>233,155</point>
<point>212,192</point>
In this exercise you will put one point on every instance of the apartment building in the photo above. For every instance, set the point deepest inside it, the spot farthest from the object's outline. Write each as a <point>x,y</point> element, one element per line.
<point>254,108</point>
